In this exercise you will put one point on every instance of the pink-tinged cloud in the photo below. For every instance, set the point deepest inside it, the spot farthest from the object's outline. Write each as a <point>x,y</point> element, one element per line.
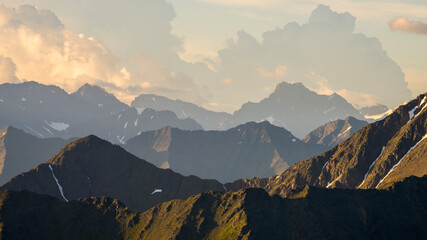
<point>405,25</point>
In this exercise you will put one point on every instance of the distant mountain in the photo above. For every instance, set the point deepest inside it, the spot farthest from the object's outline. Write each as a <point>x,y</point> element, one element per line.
<point>129,123</point>
<point>311,213</point>
<point>208,119</point>
<point>101,98</point>
<point>376,156</point>
<point>295,108</point>
<point>48,111</point>
<point>93,167</point>
<point>44,111</point>
<point>248,150</point>
<point>335,132</point>
<point>20,151</point>
<point>375,112</point>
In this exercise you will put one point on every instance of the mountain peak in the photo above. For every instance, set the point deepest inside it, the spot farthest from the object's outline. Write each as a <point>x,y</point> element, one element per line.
<point>90,89</point>
<point>286,87</point>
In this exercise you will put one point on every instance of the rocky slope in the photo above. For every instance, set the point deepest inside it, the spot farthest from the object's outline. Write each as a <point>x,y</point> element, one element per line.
<point>20,151</point>
<point>311,213</point>
<point>374,157</point>
<point>248,150</point>
<point>93,167</point>
<point>335,132</point>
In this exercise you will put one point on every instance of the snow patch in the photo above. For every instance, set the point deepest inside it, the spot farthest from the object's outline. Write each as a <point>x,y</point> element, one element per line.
<point>370,167</point>
<point>34,131</point>
<point>139,110</point>
<point>224,187</point>
<point>348,129</point>
<point>240,143</point>
<point>23,99</point>
<point>126,125</point>
<point>185,115</point>
<point>47,130</point>
<point>411,113</point>
<point>57,183</point>
<point>151,117</point>
<point>379,116</point>
<point>118,117</point>
<point>136,122</point>
<point>100,105</point>
<point>154,99</point>
<point>121,139</point>
<point>1,100</point>
<point>326,163</point>
<point>58,126</point>
<point>294,140</point>
<point>397,164</point>
<point>156,191</point>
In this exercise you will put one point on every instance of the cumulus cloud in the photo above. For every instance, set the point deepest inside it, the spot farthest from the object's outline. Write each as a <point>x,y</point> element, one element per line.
<point>279,72</point>
<point>7,70</point>
<point>326,46</point>
<point>405,25</point>
<point>36,46</point>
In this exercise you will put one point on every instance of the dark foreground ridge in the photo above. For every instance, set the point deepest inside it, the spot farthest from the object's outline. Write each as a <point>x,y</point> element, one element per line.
<point>311,213</point>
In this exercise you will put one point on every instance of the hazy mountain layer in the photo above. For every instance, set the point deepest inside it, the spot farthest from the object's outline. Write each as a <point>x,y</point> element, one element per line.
<point>48,111</point>
<point>291,106</point>
<point>210,120</point>
<point>20,151</point>
<point>248,150</point>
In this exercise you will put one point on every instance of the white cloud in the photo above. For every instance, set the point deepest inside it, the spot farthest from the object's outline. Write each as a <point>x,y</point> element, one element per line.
<point>327,46</point>
<point>7,70</point>
<point>36,46</point>
<point>279,72</point>
<point>405,25</point>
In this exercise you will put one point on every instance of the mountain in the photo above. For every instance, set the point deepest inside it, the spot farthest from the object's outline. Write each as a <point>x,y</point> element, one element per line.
<point>20,151</point>
<point>291,106</point>
<point>129,123</point>
<point>91,166</point>
<point>48,111</point>
<point>41,110</point>
<point>295,108</point>
<point>376,156</point>
<point>311,213</point>
<point>101,98</point>
<point>335,132</point>
<point>208,119</point>
<point>248,150</point>
<point>375,112</point>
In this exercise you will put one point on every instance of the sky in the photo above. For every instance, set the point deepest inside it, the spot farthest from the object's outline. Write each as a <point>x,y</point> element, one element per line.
<point>219,53</point>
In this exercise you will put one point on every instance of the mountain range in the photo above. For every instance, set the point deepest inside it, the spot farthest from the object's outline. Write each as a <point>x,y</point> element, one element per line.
<point>310,213</point>
<point>291,106</point>
<point>248,150</point>
<point>49,111</point>
<point>376,156</point>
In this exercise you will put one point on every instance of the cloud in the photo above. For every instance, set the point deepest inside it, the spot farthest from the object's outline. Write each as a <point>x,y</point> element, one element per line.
<point>327,46</point>
<point>244,3</point>
<point>36,46</point>
<point>359,99</point>
<point>7,70</point>
<point>228,81</point>
<point>279,72</point>
<point>405,25</point>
